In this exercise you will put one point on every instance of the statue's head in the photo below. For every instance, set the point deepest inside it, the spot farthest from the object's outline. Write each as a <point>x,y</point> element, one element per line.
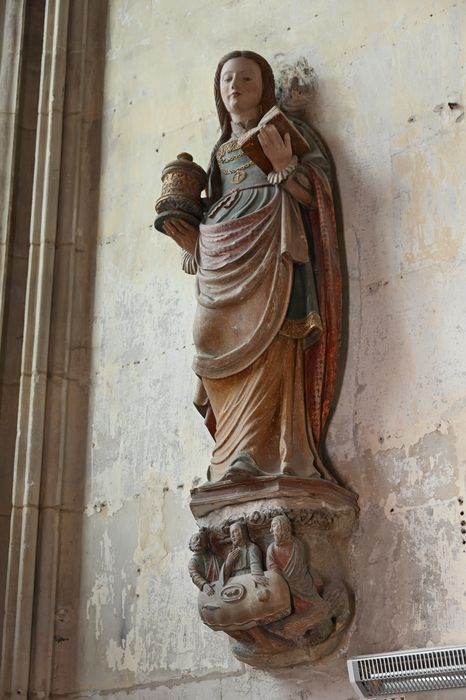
<point>256,88</point>
<point>199,541</point>
<point>239,534</point>
<point>265,84</point>
<point>281,529</point>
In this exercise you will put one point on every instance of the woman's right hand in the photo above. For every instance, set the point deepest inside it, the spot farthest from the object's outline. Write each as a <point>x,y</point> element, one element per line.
<point>184,234</point>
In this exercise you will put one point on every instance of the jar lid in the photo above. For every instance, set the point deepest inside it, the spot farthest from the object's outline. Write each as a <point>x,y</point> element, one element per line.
<point>184,162</point>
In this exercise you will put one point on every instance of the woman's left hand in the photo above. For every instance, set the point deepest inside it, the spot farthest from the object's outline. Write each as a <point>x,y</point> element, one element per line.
<point>277,150</point>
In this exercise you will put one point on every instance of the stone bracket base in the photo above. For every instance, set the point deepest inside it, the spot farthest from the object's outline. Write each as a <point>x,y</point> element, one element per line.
<point>322,516</point>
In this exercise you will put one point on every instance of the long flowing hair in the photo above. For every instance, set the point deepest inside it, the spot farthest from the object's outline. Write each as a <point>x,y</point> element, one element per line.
<point>268,100</point>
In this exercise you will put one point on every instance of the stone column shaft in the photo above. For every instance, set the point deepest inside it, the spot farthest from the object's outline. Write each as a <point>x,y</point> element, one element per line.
<point>32,399</point>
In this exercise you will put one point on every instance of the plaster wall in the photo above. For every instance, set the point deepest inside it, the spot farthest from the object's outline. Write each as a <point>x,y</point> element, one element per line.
<point>389,101</point>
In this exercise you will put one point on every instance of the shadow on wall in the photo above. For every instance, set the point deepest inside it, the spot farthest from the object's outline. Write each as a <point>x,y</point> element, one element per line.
<point>298,91</point>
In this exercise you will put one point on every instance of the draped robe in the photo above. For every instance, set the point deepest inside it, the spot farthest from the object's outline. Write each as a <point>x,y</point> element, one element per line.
<point>289,560</point>
<point>204,567</point>
<point>253,250</point>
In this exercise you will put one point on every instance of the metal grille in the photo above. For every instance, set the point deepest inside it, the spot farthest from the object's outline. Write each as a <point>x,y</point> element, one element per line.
<point>409,671</point>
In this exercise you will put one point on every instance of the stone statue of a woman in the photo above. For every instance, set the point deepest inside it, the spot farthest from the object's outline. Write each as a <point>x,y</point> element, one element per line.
<point>266,330</point>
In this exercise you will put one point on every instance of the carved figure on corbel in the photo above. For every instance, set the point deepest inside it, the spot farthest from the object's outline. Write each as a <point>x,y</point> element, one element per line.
<point>204,566</point>
<point>318,610</point>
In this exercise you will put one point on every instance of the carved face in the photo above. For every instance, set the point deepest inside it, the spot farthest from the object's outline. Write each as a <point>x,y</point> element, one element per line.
<point>236,535</point>
<point>195,543</point>
<point>241,86</point>
<point>281,531</point>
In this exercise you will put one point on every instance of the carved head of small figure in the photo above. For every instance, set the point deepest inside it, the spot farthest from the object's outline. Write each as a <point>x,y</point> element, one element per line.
<point>199,542</point>
<point>239,534</point>
<point>281,529</point>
